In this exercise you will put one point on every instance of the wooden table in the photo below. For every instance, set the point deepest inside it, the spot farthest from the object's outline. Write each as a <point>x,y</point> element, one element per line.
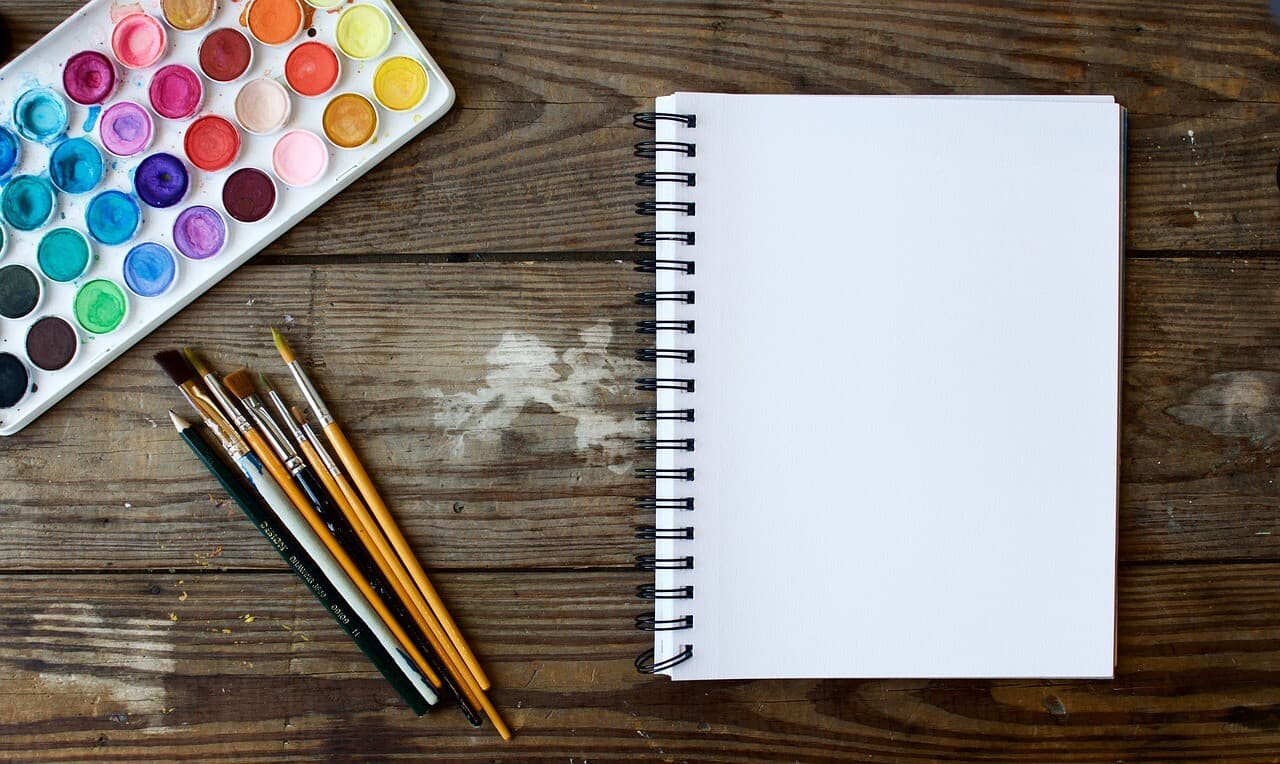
<point>467,312</point>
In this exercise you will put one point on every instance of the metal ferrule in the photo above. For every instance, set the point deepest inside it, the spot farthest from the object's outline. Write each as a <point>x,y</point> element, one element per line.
<point>208,410</point>
<point>229,406</point>
<point>284,416</point>
<point>272,434</point>
<point>325,458</point>
<point>311,394</point>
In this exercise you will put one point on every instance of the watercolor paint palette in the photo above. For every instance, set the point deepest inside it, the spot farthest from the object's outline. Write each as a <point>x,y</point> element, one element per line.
<point>147,149</point>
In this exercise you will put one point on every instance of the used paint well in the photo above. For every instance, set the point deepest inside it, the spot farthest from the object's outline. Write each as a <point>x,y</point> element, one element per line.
<point>76,166</point>
<point>263,106</point>
<point>350,121</point>
<point>100,306</point>
<point>52,343</point>
<point>19,291</point>
<point>89,78</point>
<point>40,115</point>
<point>324,4</point>
<point>212,143</point>
<point>63,254</point>
<point>300,158</point>
<point>275,22</point>
<point>149,269</point>
<point>400,84</point>
<point>113,217</point>
<point>249,195</point>
<point>199,233</point>
<point>161,180</point>
<point>312,69</point>
<point>188,15</point>
<point>27,202</point>
<point>139,40</point>
<point>126,129</point>
<point>225,55</point>
<point>10,152</point>
<point>176,92</point>
<point>14,380</point>
<point>364,32</point>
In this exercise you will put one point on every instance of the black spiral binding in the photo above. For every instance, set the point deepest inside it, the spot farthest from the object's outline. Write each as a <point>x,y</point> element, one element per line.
<point>647,662</point>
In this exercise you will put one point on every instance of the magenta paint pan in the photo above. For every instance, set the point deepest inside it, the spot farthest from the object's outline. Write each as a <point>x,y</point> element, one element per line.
<point>176,92</point>
<point>89,78</point>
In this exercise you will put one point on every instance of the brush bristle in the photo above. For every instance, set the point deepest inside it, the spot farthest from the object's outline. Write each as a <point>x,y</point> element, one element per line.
<point>297,415</point>
<point>266,385</point>
<point>286,352</point>
<point>240,383</point>
<point>176,365</point>
<point>196,363</point>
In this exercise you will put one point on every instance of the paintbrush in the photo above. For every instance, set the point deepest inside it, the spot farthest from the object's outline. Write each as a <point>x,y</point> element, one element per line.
<point>184,375</point>
<point>456,649</point>
<point>300,502</point>
<point>320,573</point>
<point>240,384</point>
<point>326,469</point>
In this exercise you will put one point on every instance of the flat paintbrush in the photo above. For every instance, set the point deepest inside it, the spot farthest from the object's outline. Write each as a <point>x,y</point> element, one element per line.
<point>300,502</point>
<point>328,592</point>
<point>455,647</point>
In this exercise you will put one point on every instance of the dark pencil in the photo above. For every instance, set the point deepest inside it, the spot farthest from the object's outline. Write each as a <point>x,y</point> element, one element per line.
<point>305,567</point>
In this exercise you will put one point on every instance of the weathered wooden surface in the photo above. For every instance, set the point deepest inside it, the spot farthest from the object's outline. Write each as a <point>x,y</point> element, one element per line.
<point>493,399</point>
<point>121,668</point>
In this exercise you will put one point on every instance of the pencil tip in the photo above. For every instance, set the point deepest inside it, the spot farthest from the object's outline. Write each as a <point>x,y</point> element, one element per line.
<point>178,422</point>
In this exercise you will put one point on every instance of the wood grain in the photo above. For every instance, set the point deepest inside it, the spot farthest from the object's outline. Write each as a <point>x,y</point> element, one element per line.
<point>493,403</point>
<point>122,668</point>
<point>536,157</point>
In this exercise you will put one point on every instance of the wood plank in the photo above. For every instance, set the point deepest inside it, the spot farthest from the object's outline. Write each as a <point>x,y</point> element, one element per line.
<point>536,157</point>
<point>494,405</point>
<point>121,667</point>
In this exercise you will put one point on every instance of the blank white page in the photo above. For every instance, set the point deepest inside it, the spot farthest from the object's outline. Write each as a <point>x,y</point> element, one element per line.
<point>907,359</point>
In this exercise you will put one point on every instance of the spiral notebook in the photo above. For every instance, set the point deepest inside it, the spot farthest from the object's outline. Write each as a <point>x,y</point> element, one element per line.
<point>887,341</point>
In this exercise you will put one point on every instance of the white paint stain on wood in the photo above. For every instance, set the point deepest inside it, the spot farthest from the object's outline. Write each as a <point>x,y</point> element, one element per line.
<point>1240,404</point>
<point>524,370</point>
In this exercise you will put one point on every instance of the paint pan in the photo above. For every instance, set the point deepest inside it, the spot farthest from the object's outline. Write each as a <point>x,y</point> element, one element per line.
<point>263,106</point>
<point>15,380</point>
<point>64,254</point>
<point>176,92</point>
<point>113,217</point>
<point>126,129</point>
<point>100,306</point>
<point>200,233</point>
<point>150,269</point>
<point>312,69</point>
<point>350,121</point>
<point>52,344</point>
<point>161,180</point>
<point>89,78</point>
<point>364,32</point>
<point>138,41</point>
<point>275,22</point>
<point>249,195</point>
<point>10,152</point>
<point>20,291</point>
<point>188,15</point>
<point>40,115</point>
<point>225,55</point>
<point>212,143</point>
<point>400,83</point>
<point>76,166</point>
<point>27,202</point>
<point>300,158</point>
